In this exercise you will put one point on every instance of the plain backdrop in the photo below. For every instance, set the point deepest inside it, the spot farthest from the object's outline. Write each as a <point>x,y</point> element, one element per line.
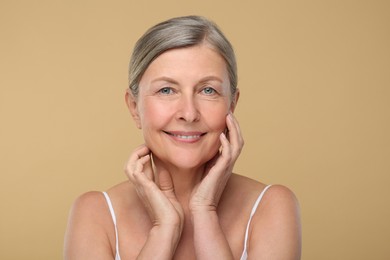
<point>314,111</point>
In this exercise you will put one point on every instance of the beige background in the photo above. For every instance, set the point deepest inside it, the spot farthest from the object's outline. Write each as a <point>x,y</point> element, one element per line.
<point>314,110</point>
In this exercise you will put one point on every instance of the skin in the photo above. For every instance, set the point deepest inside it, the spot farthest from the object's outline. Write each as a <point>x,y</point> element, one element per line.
<point>182,200</point>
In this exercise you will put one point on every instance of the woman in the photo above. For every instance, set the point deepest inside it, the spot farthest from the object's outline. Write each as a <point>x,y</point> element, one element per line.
<point>182,200</point>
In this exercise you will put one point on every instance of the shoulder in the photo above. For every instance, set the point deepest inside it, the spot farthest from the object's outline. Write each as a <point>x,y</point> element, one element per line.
<point>93,204</point>
<point>279,197</point>
<point>90,206</point>
<point>276,228</point>
<point>89,201</point>
<point>88,225</point>
<point>275,196</point>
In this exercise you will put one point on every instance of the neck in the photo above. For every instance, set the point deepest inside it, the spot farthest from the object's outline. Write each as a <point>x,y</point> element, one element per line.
<point>184,179</point>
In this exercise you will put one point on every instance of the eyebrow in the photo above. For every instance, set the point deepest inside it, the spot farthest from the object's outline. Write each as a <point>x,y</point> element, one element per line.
<point>211,78</point>
<point>164,78</point>
<point>171,80</point>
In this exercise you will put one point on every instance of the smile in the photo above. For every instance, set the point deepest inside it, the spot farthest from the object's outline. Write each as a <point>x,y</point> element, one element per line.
<point>189,136</point>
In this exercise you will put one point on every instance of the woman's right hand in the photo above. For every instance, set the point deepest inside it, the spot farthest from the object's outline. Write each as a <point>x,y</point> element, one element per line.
<point>159,199</point>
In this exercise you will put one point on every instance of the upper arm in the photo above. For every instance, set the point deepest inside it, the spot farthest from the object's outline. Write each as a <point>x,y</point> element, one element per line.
<point>276,228</point>
<point>86,236</point>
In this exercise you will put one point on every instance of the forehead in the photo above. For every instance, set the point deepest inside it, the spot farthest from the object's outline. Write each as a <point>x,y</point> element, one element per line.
<point>190,62</point>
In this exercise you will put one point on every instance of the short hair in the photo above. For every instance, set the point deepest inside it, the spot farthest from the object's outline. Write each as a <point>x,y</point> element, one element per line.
<point>179,32</point>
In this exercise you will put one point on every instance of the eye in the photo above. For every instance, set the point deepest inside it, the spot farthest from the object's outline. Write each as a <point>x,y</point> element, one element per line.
<point>209,91</point>
<point>166,91</point>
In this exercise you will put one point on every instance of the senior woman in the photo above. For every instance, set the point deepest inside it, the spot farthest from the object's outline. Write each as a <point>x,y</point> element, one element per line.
<point>182,200</point>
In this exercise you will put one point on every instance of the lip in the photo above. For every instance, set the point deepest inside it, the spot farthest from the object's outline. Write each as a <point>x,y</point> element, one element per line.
<point>184,136</point>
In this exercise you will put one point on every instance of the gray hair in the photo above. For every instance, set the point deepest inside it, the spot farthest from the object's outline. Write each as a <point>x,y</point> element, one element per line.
<point>176,33</point>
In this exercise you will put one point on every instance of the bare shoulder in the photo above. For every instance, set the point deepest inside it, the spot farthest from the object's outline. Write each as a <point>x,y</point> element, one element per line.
<point>87,230</point>
<point>276,196</point>
<point>93,206</point>
<point>276,227</point>
<point>279,204</point>
<point>89,206</point>
<point>280,197</point>
<point>88,203</point>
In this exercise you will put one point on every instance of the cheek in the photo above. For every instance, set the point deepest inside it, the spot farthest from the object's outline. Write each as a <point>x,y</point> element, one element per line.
<point>219,125</point>
<point>217,119</point>
<point>153,114</point>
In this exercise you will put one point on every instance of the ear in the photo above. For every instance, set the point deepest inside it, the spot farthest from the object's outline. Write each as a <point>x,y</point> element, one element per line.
<point>235,100</point>
<point>131,103</point>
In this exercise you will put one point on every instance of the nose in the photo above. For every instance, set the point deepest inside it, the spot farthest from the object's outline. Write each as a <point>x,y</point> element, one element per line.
<point>188,109</point>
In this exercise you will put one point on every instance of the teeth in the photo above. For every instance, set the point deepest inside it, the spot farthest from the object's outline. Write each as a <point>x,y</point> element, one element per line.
<point>187,136</point>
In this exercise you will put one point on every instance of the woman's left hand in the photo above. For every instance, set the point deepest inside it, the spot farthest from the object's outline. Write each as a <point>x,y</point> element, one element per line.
<point>218,170</point>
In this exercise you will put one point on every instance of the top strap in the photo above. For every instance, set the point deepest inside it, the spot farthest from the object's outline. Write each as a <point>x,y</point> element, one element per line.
<point>117,256</point>
<point>244,253</point>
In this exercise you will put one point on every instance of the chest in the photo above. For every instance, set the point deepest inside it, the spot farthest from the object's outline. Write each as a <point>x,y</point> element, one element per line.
<point>133,233</point>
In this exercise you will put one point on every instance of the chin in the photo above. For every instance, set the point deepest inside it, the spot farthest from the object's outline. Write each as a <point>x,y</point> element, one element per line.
<point>187,163</point>
<point>184,160</point>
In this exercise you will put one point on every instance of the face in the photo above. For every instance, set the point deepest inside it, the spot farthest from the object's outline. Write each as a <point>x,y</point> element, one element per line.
<point>184,97</point>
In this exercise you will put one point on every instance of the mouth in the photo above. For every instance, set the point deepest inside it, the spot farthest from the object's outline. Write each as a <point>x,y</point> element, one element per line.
<point>185,136</point>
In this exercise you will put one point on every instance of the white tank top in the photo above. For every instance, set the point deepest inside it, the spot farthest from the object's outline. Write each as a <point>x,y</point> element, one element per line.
<point>244,255</point>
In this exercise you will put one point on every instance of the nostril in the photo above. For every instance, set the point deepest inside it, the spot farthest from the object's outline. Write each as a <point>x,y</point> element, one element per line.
<point>188,110</point>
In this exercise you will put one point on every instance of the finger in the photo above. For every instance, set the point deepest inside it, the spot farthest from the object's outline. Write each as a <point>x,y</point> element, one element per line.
<point>148,169</point>
<point>157,199</point>
<point>143,165</point>
<point>211,163</point>
<point>235,136</point>
<point>223,160</point>
<point>130,165</point>
<point>226,150</point>
<point>145,188</point>
<point>161,205</point>
<point>140,179</point>
<point>139,152</point>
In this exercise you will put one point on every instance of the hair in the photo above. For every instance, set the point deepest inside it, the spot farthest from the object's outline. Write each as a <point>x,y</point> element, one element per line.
<point>179,32</point>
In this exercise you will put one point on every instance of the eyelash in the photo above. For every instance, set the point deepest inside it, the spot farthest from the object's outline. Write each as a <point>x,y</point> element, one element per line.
<point>162,91</point>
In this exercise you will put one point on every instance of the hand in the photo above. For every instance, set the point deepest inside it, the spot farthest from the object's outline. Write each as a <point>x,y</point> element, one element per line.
<point>159,200</point>
<point>218,170</point>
